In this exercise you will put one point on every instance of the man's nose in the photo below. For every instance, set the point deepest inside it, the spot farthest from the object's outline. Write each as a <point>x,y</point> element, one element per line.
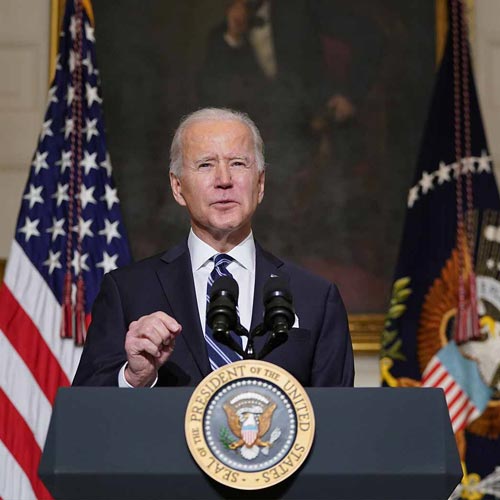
<point>223,177</point>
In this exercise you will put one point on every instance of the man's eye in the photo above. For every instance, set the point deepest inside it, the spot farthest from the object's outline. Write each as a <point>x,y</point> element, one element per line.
<point>238,164</point>
<point>204,166</point>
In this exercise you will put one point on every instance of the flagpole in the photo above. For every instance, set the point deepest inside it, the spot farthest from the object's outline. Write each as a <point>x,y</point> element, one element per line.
<point>56,13</point>
<point>441,29</point>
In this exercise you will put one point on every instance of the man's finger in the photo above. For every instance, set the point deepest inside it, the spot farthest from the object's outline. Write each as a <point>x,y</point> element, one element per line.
<point>144,345</point>
<point>146,330</point>
<point>170,323</point>
<point>152,327</point>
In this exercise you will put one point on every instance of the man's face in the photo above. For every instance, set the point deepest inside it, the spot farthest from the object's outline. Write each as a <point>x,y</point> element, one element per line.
<point>220,184</point>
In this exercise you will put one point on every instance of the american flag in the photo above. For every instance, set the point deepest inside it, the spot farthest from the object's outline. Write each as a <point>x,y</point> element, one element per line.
<point>465,391</point>
<point>51,280</point>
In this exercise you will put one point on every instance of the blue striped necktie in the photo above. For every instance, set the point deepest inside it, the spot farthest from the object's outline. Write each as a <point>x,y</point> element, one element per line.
<point>218,354</point>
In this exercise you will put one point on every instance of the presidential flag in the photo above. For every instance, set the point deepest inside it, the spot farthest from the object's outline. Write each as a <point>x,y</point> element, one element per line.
<point>443,323</point>
<point>69,233</point>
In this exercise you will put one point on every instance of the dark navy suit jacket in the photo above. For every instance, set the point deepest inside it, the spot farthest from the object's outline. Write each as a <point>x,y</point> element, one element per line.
<point>319,353</point>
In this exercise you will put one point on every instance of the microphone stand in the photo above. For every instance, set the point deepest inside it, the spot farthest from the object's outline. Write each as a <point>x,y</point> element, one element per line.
<point>275,340</point>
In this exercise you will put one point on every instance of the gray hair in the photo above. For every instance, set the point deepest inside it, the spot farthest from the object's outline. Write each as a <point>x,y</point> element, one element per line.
<point>214,114</point>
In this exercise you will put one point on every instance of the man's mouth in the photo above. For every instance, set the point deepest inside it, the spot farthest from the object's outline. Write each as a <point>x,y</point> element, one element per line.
<point>224,203</point>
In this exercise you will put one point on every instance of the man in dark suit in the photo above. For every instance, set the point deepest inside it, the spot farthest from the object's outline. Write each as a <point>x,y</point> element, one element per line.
<point>148,325</point>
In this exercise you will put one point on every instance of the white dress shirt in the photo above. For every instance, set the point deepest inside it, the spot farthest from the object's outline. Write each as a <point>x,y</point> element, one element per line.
<point>242,269</point>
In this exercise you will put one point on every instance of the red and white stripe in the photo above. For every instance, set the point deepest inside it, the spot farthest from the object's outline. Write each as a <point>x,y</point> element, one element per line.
<point>34,362</point>
<point>462,410</point>
<point>249,436</point>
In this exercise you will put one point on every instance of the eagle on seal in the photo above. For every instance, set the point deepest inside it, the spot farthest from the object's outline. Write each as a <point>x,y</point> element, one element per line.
<point>249,428</point>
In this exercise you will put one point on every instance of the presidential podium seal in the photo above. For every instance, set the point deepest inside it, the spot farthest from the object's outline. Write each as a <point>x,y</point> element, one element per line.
<point>249,425</point>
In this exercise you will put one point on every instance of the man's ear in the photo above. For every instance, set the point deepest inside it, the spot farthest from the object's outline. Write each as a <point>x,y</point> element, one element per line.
<point>175,184</point>
<point>261,183</point>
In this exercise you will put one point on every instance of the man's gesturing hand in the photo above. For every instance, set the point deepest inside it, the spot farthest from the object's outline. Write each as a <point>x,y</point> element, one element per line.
<point>149,343</point>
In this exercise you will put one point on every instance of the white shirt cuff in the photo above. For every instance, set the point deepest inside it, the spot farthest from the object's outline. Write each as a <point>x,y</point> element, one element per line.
<point>122,381</point>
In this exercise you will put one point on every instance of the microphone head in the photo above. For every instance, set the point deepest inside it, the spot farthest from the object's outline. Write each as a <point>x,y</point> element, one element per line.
<point>279,314</point>
<point>227,286</point>
<point>276,286</point>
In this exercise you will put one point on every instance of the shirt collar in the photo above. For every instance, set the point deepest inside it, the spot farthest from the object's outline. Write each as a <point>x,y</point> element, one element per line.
<point>201,252</point>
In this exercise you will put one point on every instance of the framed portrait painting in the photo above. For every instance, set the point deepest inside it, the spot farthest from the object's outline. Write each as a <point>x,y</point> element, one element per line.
<point>339,90</point>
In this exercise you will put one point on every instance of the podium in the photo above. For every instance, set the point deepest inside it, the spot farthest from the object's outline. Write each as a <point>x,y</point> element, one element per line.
<point>370,444</point>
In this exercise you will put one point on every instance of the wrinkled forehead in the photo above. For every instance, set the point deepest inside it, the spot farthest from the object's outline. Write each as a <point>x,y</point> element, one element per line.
<point>218,137</point>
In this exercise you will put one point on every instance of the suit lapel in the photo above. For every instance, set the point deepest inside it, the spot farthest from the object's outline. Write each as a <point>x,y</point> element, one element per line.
<point>176,277</point>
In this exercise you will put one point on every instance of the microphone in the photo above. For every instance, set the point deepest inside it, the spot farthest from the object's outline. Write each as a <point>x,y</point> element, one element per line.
<point>222,317</point>
<point>279,314</point>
